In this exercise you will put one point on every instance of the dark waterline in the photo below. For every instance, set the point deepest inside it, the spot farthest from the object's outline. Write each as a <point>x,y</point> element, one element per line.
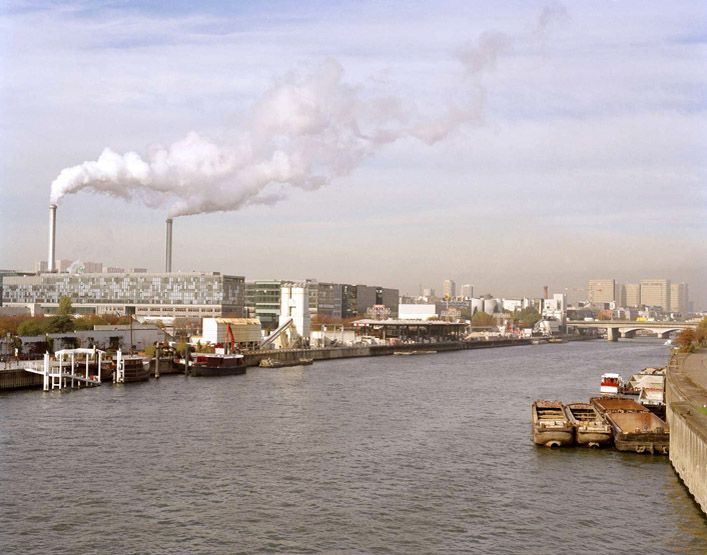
<point>378,455</point>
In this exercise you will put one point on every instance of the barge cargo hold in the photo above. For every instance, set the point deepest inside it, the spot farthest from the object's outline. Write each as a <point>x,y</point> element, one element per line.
<point>589,426</point>
<point>610,405</point>
<point>551,427</point>
<point>641,432</point>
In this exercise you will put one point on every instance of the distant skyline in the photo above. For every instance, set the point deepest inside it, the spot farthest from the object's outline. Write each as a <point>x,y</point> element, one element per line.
<point>507,145</point>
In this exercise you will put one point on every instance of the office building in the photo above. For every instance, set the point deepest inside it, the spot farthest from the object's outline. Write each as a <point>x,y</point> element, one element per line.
<point>449,289</point>
<point>679,301</point>
<point>633,294</point>
<point>467,291</point>
<point>189,295</point>
<point>656,292</point>
<point>262,301</point>
<point>601,291</point>
<point>620,295</point>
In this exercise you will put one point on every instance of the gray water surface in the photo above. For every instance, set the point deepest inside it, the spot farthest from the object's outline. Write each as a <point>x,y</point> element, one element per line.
<point>428,454</point>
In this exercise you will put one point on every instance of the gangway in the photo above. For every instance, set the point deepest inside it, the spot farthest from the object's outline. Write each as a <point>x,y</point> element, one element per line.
<point>66,367</point>
<point>274,335</point>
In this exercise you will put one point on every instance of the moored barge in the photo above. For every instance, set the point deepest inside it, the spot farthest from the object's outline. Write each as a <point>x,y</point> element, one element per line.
<point>642,432</point>
<point>551,427</point>
<point>210,364</point>
<point>589,426</point>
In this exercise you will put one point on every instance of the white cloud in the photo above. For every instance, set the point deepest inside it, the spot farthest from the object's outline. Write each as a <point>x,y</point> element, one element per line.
<point>589,133</point>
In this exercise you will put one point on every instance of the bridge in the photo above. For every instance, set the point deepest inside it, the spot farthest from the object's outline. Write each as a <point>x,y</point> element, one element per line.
<point>627,328</point>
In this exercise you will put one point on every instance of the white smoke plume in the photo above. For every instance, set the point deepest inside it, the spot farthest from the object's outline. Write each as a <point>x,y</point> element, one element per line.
<point>304,132</point>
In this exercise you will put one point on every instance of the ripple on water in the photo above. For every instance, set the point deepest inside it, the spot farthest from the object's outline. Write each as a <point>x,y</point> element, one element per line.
<point>379,455</point>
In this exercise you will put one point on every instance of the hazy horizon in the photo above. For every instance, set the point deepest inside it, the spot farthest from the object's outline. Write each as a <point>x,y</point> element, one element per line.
<point>510,146</point>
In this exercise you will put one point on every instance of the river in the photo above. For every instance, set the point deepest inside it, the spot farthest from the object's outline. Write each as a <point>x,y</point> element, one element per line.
<point>426,454</point>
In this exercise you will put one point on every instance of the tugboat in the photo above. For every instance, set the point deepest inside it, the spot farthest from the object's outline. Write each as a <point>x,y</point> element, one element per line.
<point>225,362</point>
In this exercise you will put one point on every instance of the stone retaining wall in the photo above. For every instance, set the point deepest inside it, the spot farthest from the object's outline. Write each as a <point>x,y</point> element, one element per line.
<point>686,400</point>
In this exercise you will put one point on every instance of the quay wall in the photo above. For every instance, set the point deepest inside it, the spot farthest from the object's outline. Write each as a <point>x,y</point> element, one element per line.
<point>332,353</point>
<point>17,378</point>
<point>686,412</point>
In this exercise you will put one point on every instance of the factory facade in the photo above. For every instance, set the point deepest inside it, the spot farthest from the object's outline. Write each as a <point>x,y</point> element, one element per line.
<point>175,295</point>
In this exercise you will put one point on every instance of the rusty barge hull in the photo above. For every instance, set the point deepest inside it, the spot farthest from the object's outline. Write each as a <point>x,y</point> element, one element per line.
<point>551,427</point>
<point>640,432</point>
<point>590,428</point>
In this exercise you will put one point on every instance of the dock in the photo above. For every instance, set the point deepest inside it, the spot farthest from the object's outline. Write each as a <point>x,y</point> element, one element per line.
<point>67,371</point>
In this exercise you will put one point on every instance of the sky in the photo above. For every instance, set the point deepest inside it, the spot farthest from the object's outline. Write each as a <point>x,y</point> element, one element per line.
<point>509,145</point>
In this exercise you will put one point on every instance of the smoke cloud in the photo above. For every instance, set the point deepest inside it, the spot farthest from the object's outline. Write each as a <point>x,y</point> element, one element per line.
<point>304,132</point>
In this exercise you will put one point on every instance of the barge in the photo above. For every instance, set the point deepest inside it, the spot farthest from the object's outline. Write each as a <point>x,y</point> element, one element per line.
<point>589,426</point>
<point>272,363</point>
<point>210,364</point>
<point>635,428</point>
<point>641,432</point>
<point>551,427</point>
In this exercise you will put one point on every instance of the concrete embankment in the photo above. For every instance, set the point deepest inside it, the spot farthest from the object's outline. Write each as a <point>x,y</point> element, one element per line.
<point>17,378</point>
<point>332,353</point>
<point>686,398</point>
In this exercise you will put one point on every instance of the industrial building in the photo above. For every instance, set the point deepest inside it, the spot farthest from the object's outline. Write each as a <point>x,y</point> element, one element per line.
<point>246,331</point>
<point>177,295</point>
<point>407,330</point>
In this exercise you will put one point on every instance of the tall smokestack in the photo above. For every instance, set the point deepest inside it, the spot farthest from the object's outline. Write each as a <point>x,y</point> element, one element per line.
<point>51,260</point>
<point>168,254</point>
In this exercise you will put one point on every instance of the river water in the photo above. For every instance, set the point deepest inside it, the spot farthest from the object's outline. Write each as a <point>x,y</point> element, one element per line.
<point>426,454</point>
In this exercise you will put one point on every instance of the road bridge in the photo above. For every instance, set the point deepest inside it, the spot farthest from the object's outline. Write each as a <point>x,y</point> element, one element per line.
<point>627,328</point>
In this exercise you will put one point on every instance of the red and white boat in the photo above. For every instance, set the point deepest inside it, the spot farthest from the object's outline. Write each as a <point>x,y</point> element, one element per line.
<point>611,383</point>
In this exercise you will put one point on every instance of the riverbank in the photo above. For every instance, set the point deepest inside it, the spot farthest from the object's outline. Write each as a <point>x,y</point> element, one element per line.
<point>17,378</point>
<point>686,398</point>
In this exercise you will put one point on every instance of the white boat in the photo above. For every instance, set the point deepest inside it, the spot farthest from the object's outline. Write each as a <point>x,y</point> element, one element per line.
<point>611,383</point>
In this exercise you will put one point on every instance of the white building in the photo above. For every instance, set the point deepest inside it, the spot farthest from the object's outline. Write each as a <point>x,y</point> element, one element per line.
<point>417,311</point>
<point>555,308</point>
<point>294,303</point>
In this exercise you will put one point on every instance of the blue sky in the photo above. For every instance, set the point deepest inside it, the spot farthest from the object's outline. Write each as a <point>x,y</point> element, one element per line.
<point>580,154</point>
